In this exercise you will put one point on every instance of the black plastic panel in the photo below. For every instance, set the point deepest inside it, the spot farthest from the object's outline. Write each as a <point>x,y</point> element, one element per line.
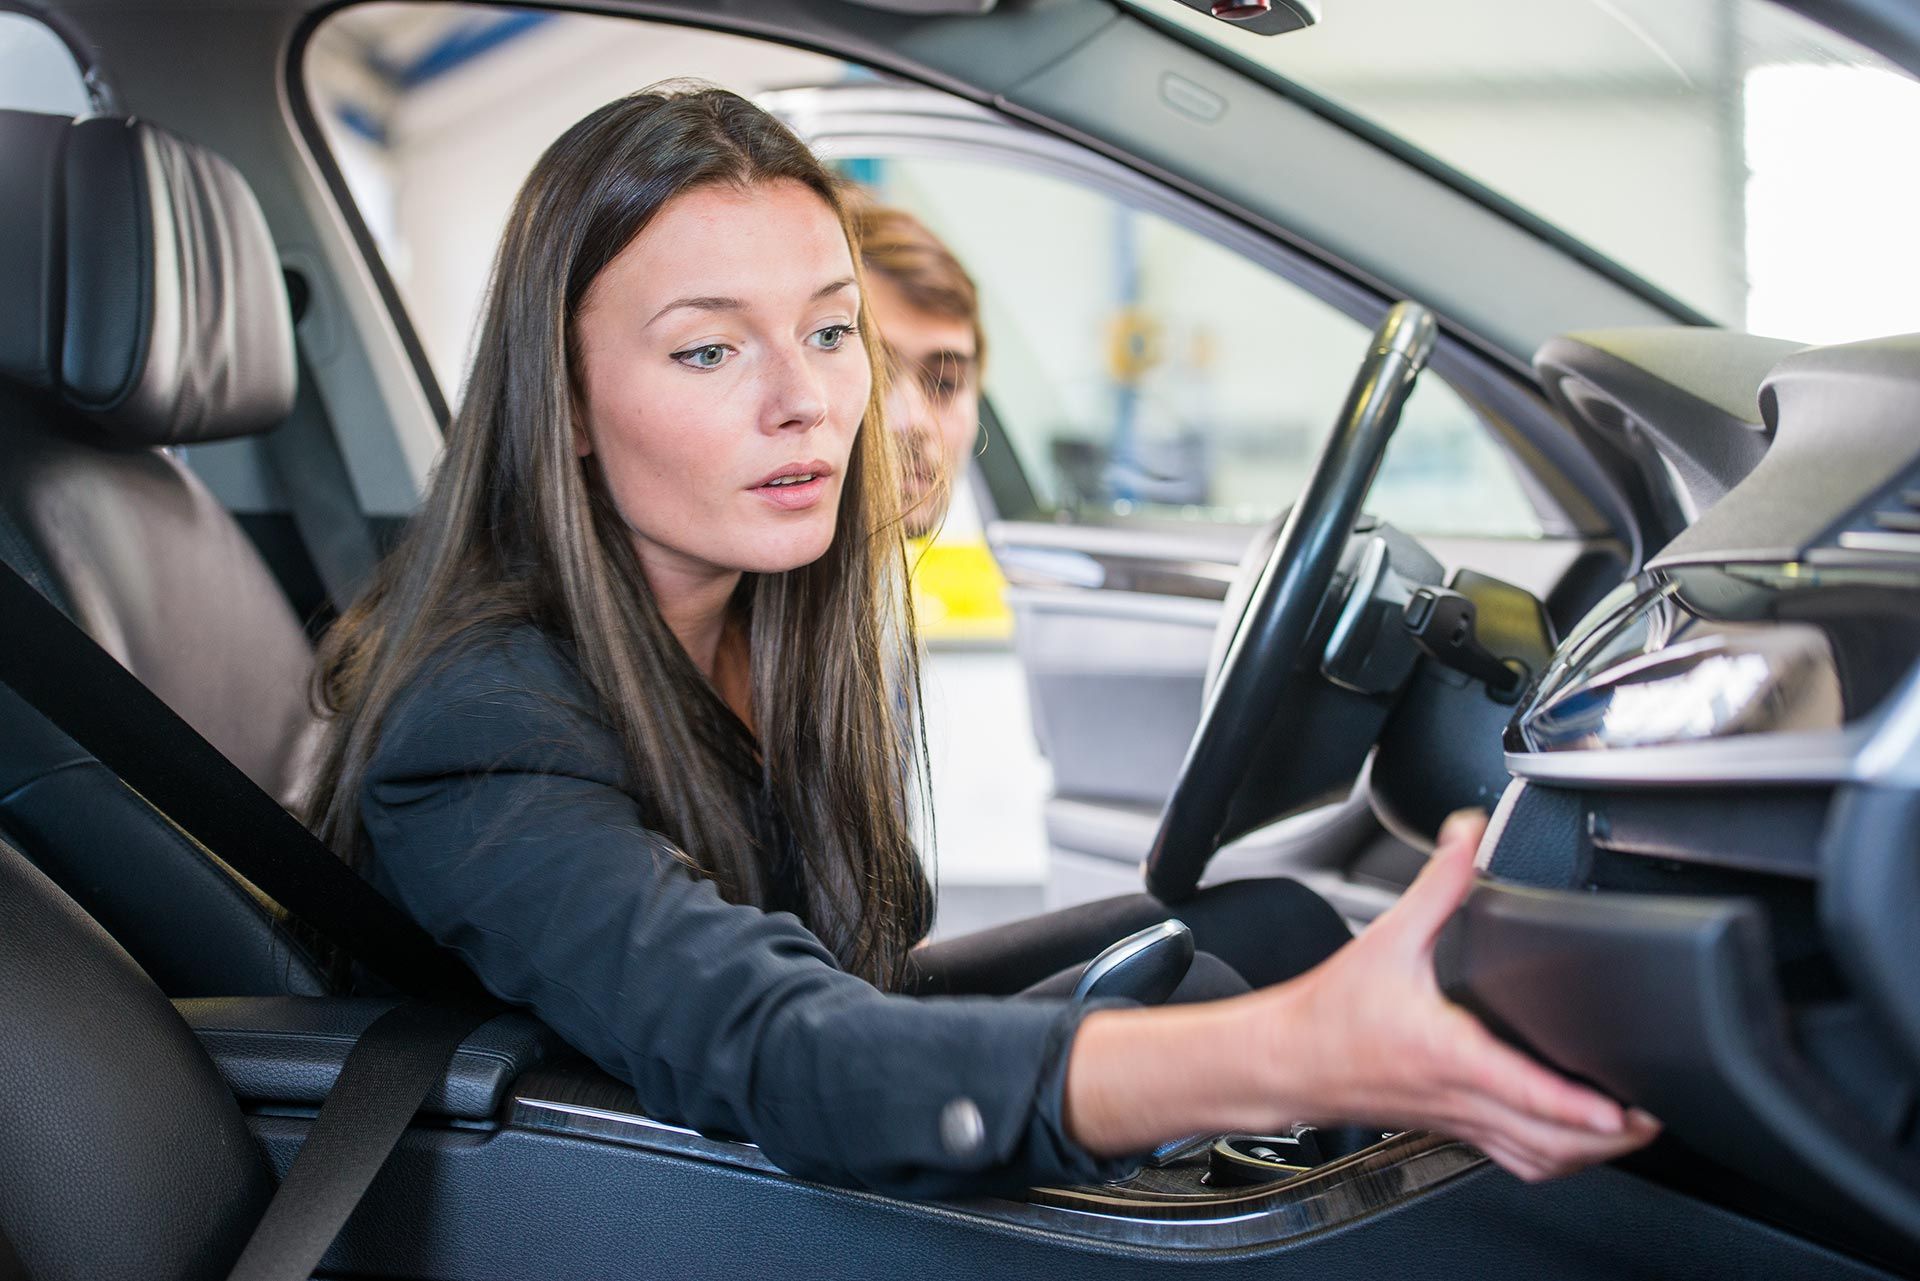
<point>1671,1003</point>
<point>1695,392</point>
<point>1842,424</point>
<point>1868,900</point>
<point>287,1051</point>
<point>463,1206</point>
<point>1772,830</point>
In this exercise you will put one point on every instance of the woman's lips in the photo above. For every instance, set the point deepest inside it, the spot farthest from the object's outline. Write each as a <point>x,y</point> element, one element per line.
<point>794,496</point>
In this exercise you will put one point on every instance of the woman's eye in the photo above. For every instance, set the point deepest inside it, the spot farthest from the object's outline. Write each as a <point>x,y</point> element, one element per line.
<point>711,356</point>
<point>832,336</point>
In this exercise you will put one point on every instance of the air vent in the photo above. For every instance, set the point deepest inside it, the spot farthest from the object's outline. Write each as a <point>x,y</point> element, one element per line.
<point>1890,523</point>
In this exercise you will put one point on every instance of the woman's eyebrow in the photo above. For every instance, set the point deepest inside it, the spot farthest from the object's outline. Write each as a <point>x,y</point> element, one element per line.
<point>713,303</point>
<point>698,304</point>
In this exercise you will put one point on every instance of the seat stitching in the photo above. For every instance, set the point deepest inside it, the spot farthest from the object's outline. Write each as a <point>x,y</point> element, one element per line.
<point>42,776</point>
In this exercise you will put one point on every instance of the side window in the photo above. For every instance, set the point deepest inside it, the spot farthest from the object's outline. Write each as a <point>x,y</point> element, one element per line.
<point>37,70</point>
<point>1141,371</point>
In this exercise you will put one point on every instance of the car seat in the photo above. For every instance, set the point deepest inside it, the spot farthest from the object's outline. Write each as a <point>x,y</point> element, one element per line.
<point>144,308</point>
<point>139,1163</point>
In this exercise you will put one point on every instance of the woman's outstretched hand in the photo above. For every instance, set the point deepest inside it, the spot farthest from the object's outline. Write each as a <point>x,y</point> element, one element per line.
<point>1385,1045</point>
<point>1366,1036</point>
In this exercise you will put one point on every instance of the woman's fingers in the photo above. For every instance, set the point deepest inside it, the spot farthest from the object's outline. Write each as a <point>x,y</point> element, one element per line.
<point>1441,885</point>
<point>1494,1070</point>
<point>1521,1165</point>
<point>1535,1122</point>
<point>1467,826</point>
<point>1548,1149</point>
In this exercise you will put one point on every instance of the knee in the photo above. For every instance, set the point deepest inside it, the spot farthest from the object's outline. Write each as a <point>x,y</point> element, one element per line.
<point>1269,928</point>
<point>1281,902</point>
<point>1209,979</point>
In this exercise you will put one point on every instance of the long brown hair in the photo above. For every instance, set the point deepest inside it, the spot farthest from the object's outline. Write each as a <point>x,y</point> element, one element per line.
<point>515,527</point>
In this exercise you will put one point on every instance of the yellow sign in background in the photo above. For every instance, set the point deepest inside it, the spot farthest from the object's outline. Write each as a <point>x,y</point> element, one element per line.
<point>959,596</point>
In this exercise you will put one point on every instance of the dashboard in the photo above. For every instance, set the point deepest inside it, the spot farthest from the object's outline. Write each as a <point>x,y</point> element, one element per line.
<point>1703,883</point>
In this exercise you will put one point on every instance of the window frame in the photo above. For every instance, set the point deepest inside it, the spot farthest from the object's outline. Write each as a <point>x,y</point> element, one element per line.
<point>300,104</point>
<point>894,121</point>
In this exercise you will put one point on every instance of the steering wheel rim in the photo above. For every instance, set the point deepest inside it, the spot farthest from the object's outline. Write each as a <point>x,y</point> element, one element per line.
<point>1262,663</point>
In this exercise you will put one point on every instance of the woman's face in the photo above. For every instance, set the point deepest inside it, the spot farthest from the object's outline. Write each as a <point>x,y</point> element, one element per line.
<point>724,381</point>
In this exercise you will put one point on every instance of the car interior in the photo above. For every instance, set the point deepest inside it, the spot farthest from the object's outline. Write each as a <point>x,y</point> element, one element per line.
<point>1695,716</point>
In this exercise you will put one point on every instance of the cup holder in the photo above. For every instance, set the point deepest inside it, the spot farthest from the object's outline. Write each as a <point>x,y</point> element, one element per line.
<point>1244,1160</point>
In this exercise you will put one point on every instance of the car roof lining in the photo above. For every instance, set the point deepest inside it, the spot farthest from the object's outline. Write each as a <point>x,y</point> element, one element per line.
<point>1061,65</point>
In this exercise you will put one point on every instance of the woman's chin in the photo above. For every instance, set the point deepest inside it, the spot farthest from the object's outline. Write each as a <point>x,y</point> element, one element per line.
<point>790,548</point>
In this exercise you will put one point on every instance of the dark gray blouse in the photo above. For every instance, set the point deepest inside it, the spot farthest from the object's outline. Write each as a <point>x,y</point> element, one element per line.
<point>499,815</point>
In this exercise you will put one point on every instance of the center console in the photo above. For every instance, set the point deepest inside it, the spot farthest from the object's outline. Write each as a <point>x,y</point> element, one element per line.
<point>1210,1194</point>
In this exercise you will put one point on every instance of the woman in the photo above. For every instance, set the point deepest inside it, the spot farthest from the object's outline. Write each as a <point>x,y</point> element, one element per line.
<point>621,723</point>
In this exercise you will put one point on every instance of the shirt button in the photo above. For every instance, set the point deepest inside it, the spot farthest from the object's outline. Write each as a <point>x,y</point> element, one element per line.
<point>962,1129</point>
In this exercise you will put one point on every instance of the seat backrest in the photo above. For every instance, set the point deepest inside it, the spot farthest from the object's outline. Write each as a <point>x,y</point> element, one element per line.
<point>197,929</point>
<point>122,1153</point>
<point>142,306</point>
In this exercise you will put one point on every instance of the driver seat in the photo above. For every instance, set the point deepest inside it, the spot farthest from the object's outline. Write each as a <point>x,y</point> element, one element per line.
<point>122,1153</point>
<point>144,310</point>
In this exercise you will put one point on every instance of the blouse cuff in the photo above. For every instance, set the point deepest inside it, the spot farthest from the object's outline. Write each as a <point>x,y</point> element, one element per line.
<point>1051,1146</point>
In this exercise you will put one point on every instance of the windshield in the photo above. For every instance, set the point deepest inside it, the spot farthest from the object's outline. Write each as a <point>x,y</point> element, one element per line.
<point>1750,164</point>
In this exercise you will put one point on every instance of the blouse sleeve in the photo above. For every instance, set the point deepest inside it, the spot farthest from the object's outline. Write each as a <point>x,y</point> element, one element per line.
<point>498,815</point>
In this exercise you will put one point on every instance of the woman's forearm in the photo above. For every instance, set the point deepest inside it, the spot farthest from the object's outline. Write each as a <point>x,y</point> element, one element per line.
<point>1365,1036</point>
<point>1136,1078</point>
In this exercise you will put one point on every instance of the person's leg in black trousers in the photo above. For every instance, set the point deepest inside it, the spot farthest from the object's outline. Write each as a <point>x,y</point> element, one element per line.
<point>1267,930</point>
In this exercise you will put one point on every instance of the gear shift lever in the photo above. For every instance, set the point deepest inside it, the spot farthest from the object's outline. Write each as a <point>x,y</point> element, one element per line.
<point>1143,967</point>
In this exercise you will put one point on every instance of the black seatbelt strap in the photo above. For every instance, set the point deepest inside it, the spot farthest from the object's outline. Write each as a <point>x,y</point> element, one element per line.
<point>381,1085</point>
<point>305,458</point>
<point>53,664</point>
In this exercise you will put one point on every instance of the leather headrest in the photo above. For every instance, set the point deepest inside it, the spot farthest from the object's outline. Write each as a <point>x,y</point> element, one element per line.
<point>139,285</point>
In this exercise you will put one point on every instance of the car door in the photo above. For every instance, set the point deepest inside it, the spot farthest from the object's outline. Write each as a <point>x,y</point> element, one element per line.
<point>1158,383</point>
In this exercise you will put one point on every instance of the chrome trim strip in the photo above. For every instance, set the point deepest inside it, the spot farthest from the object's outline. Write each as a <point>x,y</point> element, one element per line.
<point>1193,611</point>
<point>1116,956</point>
<point>634,1130</point>
<point>1220,545</point>
<point>1868,540</point>
<point>1095,560</point>
<point>1171,1211</point>
<point>1882,750</point>
<point>1892,755</point>
<point>1763,758</point>
<point>1324,1198</point>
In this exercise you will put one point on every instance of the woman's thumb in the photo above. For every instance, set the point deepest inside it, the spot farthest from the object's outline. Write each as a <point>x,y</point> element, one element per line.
<point>1443,883</point>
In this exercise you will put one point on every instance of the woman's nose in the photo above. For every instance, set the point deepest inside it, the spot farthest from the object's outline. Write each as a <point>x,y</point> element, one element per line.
<point>799,397</point>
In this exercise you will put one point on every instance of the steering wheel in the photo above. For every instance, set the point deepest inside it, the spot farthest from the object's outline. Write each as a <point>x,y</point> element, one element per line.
<point>1265,670</point>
